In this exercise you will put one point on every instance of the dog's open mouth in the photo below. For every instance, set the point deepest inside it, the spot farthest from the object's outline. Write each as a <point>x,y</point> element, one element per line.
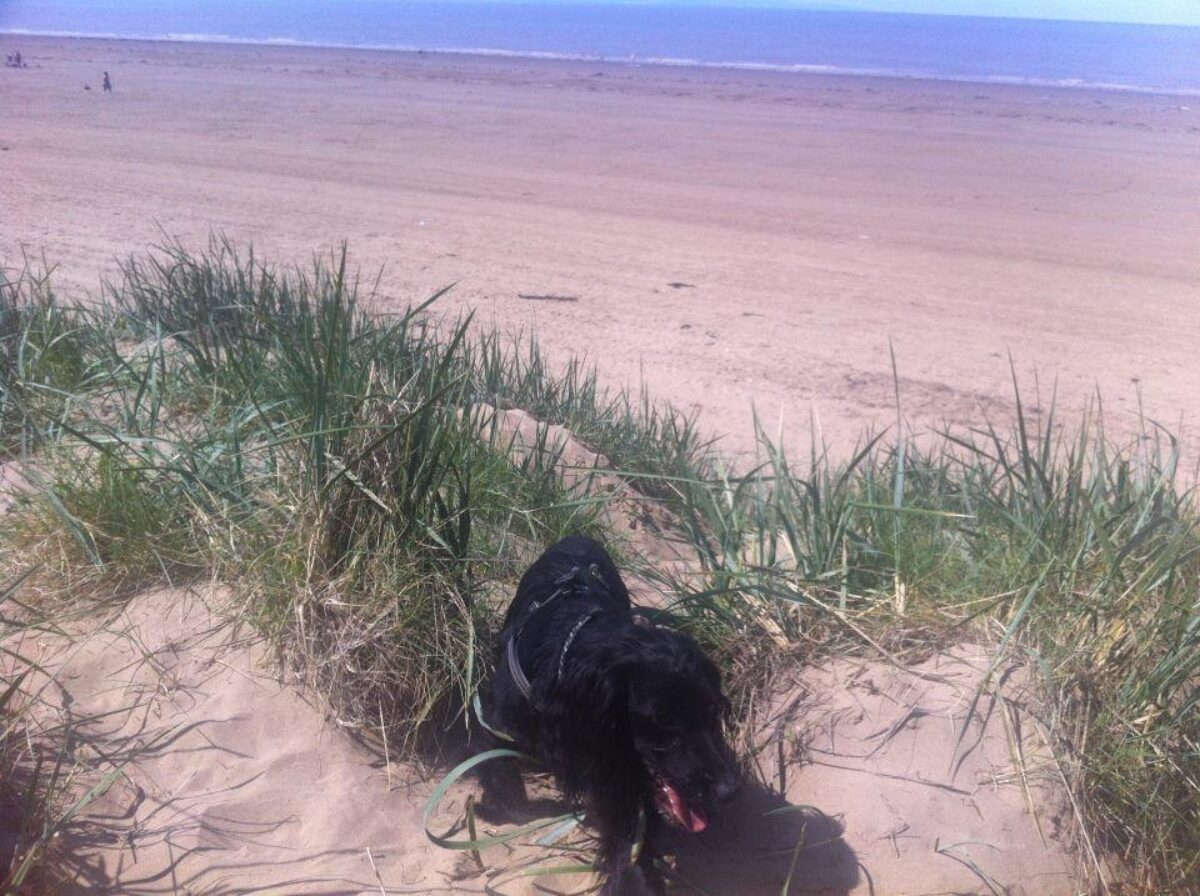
<point>674,808</point>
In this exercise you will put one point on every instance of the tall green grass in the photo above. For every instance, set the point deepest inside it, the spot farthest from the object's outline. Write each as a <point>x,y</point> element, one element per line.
<point>43,355</point>
<point>243,421</point>
<point>213,415</point>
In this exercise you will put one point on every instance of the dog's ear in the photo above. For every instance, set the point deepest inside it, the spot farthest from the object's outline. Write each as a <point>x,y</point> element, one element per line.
<point>584,728</point>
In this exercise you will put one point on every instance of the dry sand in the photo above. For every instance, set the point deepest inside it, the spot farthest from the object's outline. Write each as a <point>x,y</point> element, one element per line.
<point>735,238</point>
<point>233,784</point>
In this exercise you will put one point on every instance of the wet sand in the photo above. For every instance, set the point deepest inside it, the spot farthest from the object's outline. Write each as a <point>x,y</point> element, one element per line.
<point>737,239</point>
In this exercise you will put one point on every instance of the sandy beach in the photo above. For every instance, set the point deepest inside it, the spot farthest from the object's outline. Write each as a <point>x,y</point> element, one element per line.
<point>738,239</point>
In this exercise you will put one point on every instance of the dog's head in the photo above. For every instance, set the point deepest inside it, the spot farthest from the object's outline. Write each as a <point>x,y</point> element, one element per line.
<point>677,718</point>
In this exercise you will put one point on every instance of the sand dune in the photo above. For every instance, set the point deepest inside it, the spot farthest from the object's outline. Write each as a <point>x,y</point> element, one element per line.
<point>233,784</point>
<point>735,238</point>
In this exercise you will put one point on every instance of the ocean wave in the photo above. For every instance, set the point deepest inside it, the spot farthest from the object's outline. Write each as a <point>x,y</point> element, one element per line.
<point>666,61</point>
<point>188,37</point>
<point>97,35</point>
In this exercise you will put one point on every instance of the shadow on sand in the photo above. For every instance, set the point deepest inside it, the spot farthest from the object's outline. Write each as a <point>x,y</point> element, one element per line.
<point>760,842</point>
<point>186,845</point>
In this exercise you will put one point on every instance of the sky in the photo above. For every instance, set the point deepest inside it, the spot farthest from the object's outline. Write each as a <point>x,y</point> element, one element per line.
<point>1164,12</point>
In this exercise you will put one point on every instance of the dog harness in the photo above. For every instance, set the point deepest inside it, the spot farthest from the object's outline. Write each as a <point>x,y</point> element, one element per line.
<point>567,583</point>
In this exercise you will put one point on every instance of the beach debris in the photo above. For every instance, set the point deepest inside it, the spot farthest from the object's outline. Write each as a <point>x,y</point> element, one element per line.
<point>548,297</point>
<point>679,284</point>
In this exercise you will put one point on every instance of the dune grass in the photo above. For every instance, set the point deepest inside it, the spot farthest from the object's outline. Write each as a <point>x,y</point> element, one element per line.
<point>211,415</point>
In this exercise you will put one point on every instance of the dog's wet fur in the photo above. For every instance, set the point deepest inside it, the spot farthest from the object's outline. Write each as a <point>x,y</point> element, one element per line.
<point>628,716</point>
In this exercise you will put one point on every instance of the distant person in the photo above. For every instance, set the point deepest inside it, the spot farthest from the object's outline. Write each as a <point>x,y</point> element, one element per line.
<point>17,60</point>
<point>107,83</point>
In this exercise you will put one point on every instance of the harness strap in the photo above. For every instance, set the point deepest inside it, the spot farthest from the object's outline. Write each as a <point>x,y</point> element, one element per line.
<point>514,668</point>
<point>583,620</point>
<point>510,650</point>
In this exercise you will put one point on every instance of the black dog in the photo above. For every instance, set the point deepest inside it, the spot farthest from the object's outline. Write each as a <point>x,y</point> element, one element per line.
<point>628,716</point>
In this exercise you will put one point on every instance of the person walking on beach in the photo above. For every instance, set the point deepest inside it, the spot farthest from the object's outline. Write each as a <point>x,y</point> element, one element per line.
<point>107,83</point>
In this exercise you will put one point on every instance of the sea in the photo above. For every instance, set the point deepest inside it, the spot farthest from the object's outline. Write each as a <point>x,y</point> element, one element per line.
<point>1147,58</point>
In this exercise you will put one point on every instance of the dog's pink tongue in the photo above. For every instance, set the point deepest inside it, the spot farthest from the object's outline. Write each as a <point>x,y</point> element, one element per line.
<point>693,819</point>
